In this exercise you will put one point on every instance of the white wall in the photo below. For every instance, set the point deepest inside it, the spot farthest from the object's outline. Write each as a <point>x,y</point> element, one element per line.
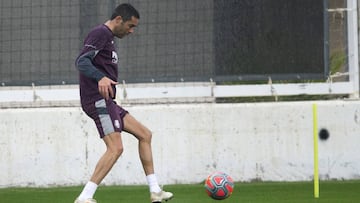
<point>267,141</point>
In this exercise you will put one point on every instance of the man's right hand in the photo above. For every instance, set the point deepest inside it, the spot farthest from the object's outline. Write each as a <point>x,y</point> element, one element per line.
<point>105,87</point>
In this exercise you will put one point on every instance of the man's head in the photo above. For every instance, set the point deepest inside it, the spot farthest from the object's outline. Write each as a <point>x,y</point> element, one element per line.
<point>123,20</point>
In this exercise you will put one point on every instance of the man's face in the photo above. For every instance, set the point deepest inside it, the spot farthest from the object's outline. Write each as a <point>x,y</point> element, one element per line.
<point>124,28</point>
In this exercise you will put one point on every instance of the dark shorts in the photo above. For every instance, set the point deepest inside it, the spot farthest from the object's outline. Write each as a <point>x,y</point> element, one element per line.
<point>108,116</point>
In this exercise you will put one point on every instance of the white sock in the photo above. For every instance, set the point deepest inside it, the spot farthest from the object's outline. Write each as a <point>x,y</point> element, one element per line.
<point>153,183</point>
<point>88,191</point>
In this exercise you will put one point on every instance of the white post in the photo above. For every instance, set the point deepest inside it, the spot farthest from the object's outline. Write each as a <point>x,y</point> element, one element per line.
<point>353,54</point>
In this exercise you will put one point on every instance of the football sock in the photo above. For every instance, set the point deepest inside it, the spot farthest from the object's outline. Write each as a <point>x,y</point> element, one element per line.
<point>88,191</point>
<point>153,183</point>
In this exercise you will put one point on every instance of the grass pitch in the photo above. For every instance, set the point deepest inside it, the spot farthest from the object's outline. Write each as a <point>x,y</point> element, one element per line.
<point>269,192</point>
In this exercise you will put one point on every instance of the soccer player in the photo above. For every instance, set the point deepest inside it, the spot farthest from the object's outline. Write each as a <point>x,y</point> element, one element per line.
<point>98,67</point>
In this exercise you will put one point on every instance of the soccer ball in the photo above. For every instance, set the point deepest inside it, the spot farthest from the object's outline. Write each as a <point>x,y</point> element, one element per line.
<point>219,185</point>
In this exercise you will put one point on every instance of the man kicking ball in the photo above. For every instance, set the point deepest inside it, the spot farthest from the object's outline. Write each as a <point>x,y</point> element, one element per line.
<point>98,67</point>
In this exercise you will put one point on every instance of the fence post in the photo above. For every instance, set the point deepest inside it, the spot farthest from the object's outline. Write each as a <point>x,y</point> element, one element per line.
<point>353,46</point>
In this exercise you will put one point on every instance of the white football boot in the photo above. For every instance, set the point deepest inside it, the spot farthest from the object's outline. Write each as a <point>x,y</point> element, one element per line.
<point>160,196</point>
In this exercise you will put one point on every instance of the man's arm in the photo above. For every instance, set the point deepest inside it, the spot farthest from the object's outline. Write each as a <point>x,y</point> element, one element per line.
<point>85,66</point>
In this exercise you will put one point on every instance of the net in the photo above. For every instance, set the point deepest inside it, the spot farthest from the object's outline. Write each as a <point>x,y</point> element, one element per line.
<point>176,40</point>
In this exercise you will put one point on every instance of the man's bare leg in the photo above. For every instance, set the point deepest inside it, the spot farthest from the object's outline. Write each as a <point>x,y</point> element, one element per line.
<point>143,134</point>
<point>114,149</point>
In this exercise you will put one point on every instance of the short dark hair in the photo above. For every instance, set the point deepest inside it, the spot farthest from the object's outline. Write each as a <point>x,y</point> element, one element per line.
<point>126,11</point>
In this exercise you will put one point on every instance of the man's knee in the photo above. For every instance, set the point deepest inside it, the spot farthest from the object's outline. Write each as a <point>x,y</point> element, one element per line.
<point>147,136</point>
<point>114,144</point>
<point>116,150</point>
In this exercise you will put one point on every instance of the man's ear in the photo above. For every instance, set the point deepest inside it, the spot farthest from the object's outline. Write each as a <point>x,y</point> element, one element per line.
<point>118,19</point>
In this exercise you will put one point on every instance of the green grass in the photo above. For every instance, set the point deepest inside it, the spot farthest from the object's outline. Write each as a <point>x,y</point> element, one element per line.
<point>261,192</point>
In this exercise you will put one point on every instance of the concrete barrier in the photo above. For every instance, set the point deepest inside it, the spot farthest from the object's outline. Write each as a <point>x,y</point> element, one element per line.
<point>250,141</point>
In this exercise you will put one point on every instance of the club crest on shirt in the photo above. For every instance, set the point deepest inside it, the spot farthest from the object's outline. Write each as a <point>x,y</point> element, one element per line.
<point>114,57</point>
<point>117,123</point>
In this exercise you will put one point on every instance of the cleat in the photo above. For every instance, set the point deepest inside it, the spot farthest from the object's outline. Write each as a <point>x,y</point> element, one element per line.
<point>85,201</point>
<point>159,197</point>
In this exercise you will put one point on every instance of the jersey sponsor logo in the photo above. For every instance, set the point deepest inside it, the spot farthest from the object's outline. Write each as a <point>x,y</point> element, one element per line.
<point>114,57</point>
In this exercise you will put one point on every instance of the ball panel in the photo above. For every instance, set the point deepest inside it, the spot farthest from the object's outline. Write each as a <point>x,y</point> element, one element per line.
<point>221,193</point>
<point>218,179</point>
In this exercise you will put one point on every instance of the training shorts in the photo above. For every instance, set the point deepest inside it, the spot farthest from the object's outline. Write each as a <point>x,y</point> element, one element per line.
<point>107,115</point>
